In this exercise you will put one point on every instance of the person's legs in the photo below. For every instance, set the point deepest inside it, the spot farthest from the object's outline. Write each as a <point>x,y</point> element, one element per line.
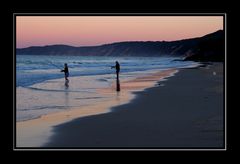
<point>117,74</point>
<point>66,76</point>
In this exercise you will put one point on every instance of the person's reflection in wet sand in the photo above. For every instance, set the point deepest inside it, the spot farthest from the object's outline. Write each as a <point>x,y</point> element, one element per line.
<point>118,85</point>
<point>66,84</point>
<point>66,93</point>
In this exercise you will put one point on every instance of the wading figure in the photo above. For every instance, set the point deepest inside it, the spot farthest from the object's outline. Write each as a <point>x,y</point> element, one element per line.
<point>117,67</point>
<point>66,73</point>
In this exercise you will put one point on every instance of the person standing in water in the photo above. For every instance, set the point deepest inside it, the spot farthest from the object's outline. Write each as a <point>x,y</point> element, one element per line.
<point>117,67</point>
<point>66,72</point>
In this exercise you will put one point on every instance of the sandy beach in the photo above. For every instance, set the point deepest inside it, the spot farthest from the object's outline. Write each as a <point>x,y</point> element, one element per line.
<point>119,81</point>
<point>36,132</point>
<point>186,111</point>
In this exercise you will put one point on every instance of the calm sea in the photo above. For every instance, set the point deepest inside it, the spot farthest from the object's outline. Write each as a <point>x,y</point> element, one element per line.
<point>40,85</point>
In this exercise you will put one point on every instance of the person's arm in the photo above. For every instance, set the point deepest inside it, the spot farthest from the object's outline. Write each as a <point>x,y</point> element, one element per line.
<point>63,70</point>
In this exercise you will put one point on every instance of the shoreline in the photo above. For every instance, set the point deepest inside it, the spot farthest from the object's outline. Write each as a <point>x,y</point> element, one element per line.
<point>187,112</point>
<point>36,132</point>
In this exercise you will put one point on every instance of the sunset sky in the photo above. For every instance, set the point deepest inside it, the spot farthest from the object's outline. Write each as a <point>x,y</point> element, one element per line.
<point>97,30</point>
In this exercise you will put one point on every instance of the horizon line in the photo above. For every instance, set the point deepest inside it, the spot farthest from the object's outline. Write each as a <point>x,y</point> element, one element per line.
<point>62,44</point>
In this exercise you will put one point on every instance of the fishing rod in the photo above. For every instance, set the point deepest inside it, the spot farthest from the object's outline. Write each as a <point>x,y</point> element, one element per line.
<point>53,64</point>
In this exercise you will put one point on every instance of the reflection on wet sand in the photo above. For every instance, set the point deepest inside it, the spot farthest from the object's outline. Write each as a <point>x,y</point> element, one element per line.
<point>118,85</point>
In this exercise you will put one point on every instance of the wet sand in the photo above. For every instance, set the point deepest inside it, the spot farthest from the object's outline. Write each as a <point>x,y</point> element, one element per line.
<point>36,132</point>
<point>186,111</point>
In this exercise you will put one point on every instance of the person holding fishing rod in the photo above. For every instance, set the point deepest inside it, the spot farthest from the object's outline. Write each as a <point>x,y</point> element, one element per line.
<point>66,72</point>
<point>117,67</point>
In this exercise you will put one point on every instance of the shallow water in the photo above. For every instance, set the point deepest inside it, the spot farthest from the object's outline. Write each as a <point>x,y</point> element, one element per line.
<point>41,88</point>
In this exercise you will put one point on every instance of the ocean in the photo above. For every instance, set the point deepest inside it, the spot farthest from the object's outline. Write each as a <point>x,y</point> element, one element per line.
<point>41,89</point>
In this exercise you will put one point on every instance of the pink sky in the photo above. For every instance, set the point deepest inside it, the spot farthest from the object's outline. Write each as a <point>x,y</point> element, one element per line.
<point>97,30</point>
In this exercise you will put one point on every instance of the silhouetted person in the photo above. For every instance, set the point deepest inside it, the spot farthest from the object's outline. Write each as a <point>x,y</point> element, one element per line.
<point>117,67</point>
<point>65,70</point>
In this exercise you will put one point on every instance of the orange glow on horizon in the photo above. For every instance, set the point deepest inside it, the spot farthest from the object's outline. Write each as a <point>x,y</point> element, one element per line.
<point>97,30</point>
